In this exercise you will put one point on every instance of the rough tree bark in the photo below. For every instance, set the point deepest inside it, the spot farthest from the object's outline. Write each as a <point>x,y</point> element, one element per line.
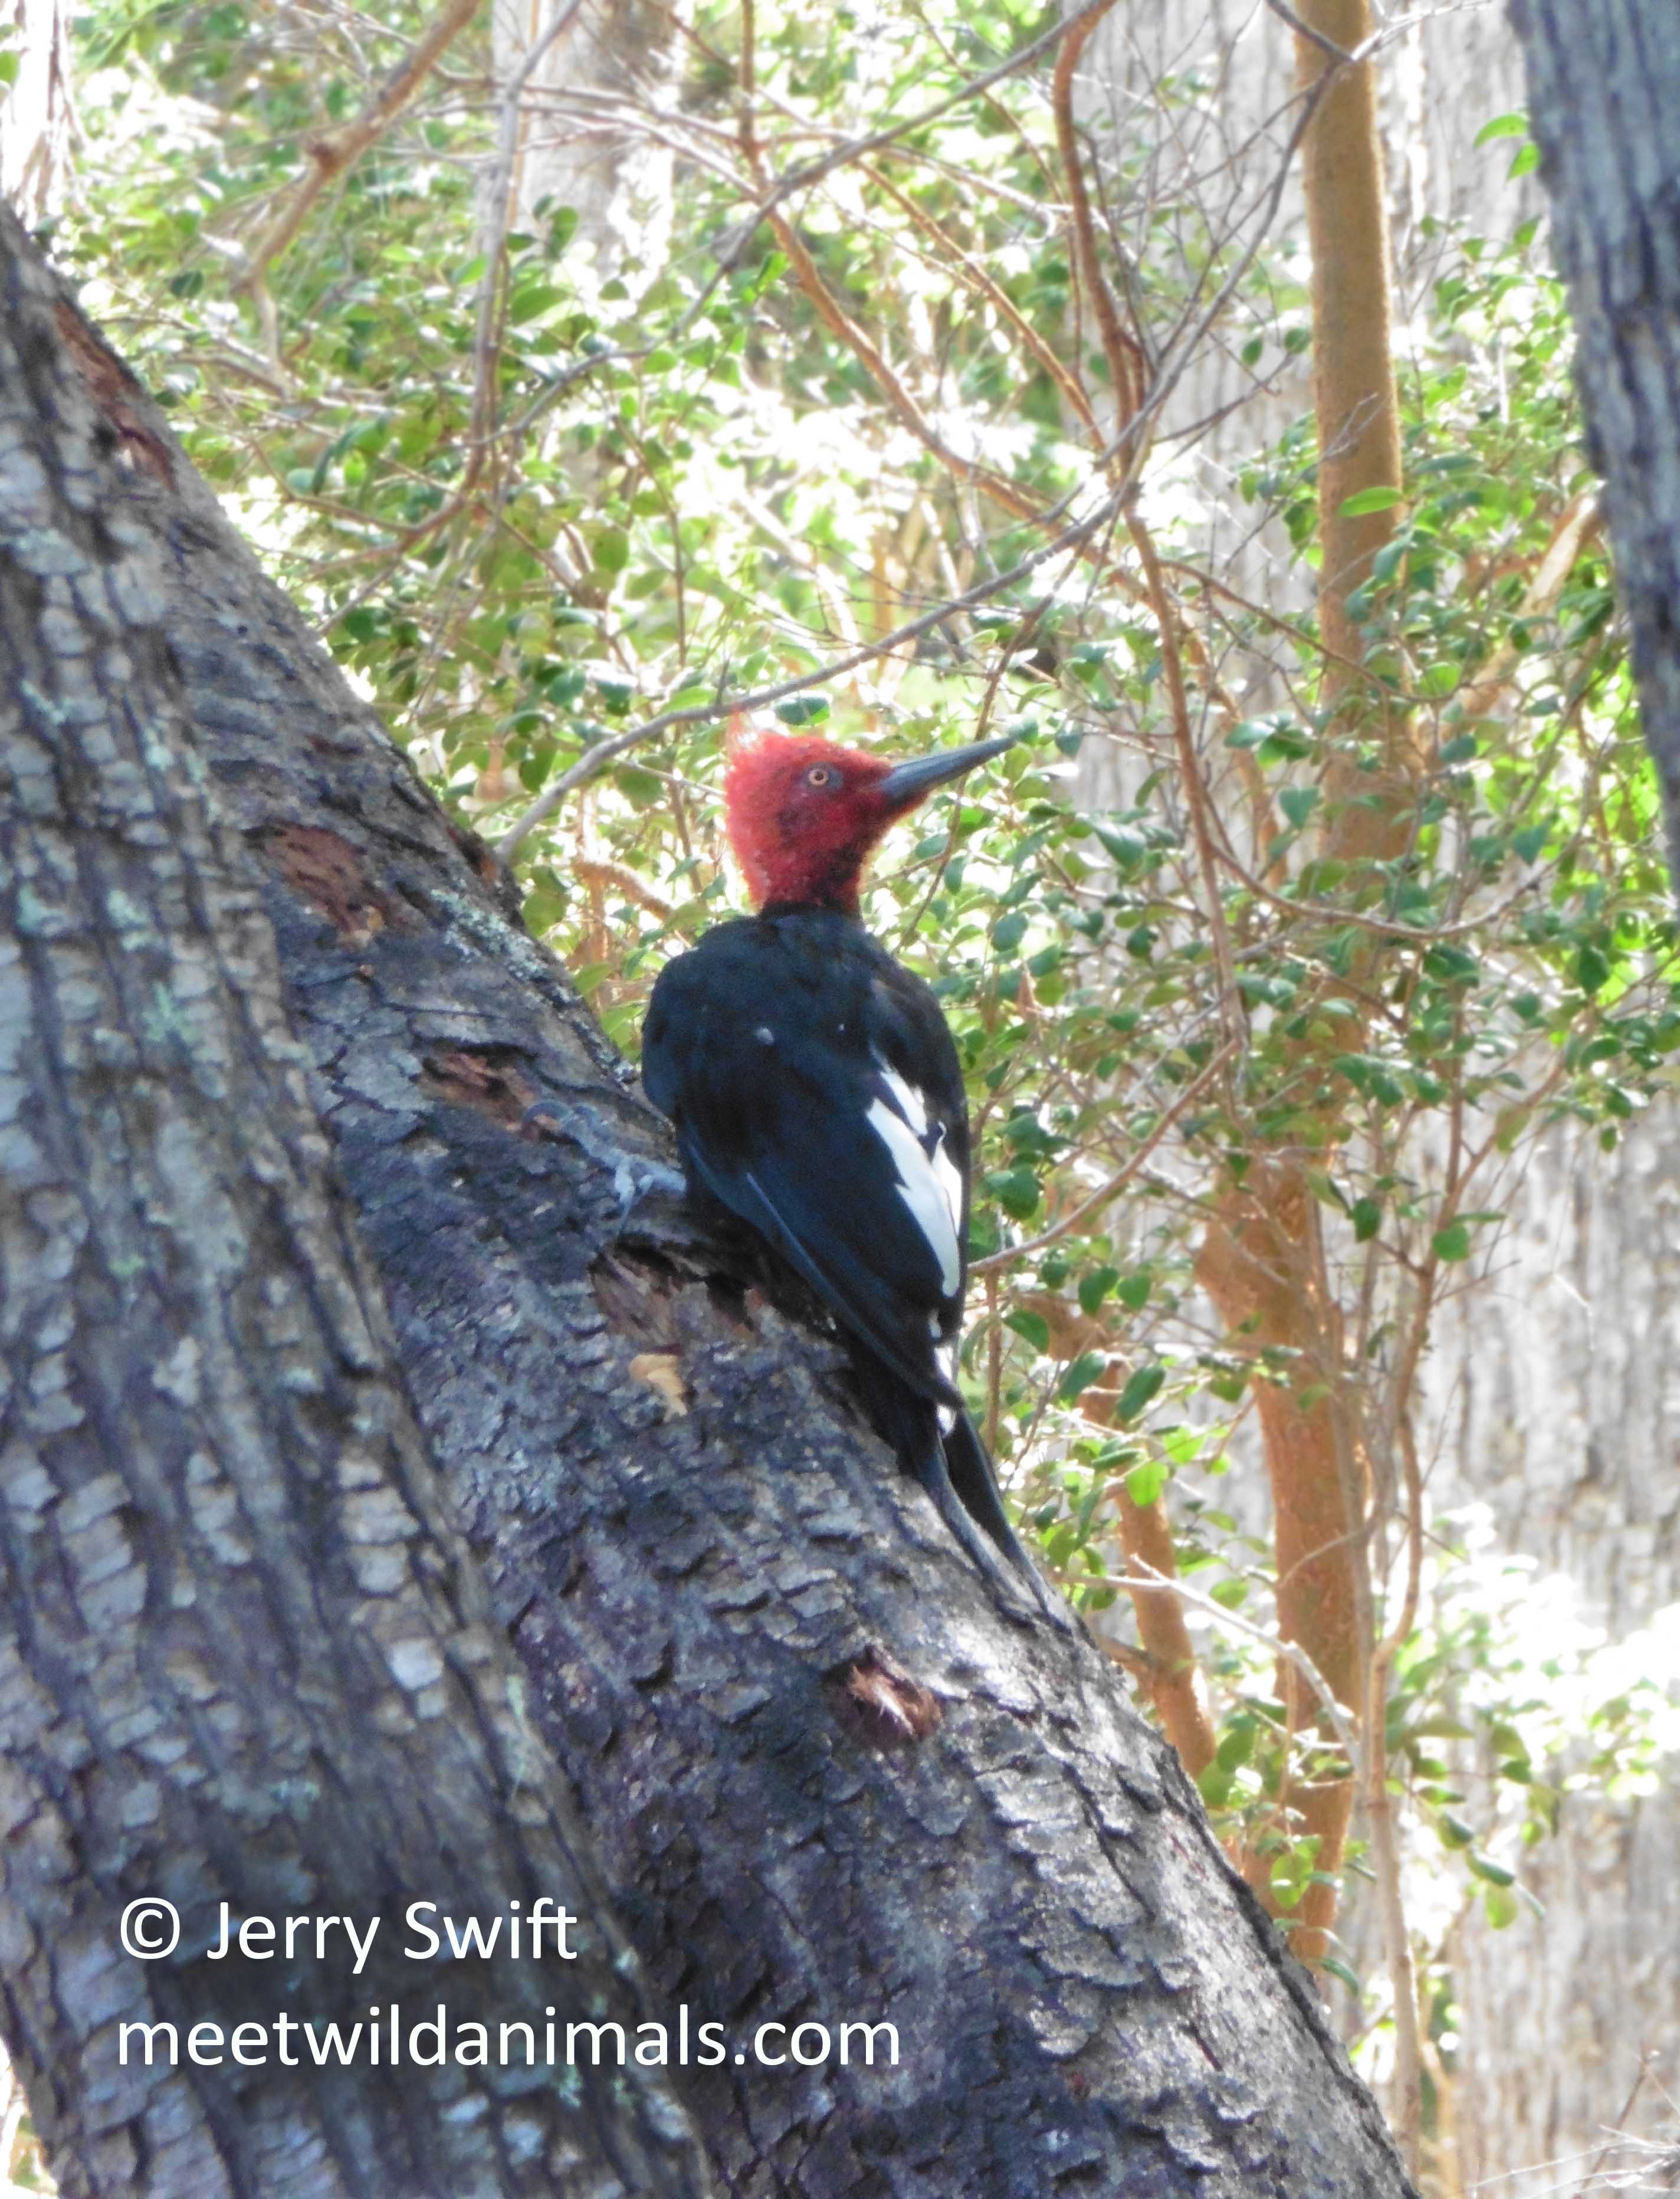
<point>825,1778</point>
<point>1604,95</point>
<point>245,1657</point>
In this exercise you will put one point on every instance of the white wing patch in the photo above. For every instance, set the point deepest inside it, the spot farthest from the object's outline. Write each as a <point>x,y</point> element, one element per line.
<point>929,1181</point>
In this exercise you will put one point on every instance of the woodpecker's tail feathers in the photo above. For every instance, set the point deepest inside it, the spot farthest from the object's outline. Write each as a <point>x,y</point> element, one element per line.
<point>1001,1578</point>
<point>969,1470</point>
<point>952,1465</point>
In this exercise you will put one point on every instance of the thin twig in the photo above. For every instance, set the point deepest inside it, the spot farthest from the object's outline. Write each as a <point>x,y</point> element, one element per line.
<point>1190,770</point>
<point>501,188</point>
<point>1121,349</point>
<point>698,713</point>
<point>1324,44</point>
<point>1291,1652</point>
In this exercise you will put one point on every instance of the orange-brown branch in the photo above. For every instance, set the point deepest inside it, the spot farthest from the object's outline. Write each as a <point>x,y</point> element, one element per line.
<point>1121,348</point>
<point>1173,1674</point>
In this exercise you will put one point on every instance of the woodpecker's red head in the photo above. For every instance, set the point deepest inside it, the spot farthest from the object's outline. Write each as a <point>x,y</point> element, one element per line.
<point>804,814</point>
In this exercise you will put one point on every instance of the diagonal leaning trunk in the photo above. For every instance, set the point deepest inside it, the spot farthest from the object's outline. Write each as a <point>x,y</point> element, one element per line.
<point>245,1657</point>
<point>821,1779</point>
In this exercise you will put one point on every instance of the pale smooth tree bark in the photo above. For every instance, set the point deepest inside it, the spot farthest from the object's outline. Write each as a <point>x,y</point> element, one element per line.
<point>1604,97</point>
<point>35,113</point>
<point>823,1777</point>
<point>1557,1406</point>
<point>585,80</point>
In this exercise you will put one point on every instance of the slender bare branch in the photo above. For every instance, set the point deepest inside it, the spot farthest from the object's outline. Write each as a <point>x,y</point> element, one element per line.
<point>332,153</point>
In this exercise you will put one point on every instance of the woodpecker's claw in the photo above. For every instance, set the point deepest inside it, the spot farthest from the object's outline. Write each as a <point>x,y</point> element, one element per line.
<point>634,1182</point>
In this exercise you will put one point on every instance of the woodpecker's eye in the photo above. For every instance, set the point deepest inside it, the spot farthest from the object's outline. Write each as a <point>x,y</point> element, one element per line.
<point>819,775</point>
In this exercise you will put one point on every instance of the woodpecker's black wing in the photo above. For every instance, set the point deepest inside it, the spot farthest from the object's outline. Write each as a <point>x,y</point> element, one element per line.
<point>816,1091</point>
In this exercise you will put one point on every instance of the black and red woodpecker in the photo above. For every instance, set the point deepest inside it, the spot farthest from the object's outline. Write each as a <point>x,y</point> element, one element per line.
<point>816,1092</point>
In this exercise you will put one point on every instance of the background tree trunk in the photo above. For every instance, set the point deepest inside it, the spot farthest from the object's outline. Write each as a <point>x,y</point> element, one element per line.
<point>1557,1405</point>
<point>1604,95</point>
<point>577,143</point>
<point>829,1779</point>
<point>35,113</point>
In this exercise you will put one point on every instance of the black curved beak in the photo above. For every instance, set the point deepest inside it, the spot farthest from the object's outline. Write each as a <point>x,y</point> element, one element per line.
<point>907,782</point>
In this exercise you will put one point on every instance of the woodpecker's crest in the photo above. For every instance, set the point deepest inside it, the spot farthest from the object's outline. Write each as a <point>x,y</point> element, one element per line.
<point>803,815</point>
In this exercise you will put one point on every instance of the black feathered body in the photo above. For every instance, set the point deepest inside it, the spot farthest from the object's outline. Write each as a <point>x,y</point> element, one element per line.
<point>816,1092</point>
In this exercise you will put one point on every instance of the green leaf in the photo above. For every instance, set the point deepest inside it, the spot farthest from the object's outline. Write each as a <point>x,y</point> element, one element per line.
<point>1255,733</point>
<point>1016,1191</point>
<point>1215,1784</point>
<point>1146,1481</point>
<point>1008,931</point>
<point>1142,1386</point>
<point>1031,1326</point>
<point>1371,499</point>
<point>1084,1370</point>
<point>802,709</point>
<point>1095,1287</point>
<point>1452,1243</point>
<point>611,550</point>
<point>1484,1867</point>
<point>1592,970</point>
<point>1368,1215</point>
<point>1500,1905</point>
<point>1514,124</point>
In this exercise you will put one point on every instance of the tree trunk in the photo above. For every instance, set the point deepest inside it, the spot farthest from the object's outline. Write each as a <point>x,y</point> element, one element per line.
<point>1263,1261</point>
<point>35,113</point>
<point>245,1657</point>
<point>578,143</point>
<point>1559,1408</point>
<point>828,1782</point>
<point>1604,94</point>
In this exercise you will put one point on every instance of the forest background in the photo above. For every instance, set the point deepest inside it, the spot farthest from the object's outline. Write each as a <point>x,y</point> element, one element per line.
<point>1351,915</point>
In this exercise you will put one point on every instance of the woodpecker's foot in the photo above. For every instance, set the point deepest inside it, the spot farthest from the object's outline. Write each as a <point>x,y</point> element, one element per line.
<point>539,1113</point>
<point>635,1180</point>
<point>632,1180</point>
